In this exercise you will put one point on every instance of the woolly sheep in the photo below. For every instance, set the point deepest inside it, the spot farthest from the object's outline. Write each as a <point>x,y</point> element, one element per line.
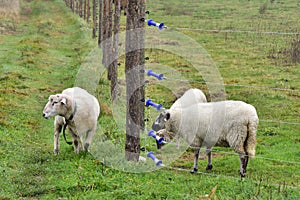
<point>190,97</point>
<point>225,123</point>
<point>77,110</point>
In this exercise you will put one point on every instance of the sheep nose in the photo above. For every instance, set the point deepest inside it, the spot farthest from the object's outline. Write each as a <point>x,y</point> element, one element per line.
<point>44,115</point>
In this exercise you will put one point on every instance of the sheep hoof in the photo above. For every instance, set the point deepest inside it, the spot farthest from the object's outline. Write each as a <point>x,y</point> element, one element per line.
<point>86,147</point>
<point>194,171</point>
<point>77,151</point>
<point>242,173</point>
<point>209,167</point>
<point>56,152</point>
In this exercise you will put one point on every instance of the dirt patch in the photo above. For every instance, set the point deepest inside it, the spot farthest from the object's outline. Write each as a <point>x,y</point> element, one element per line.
<point>106,110</point>
<point>9,8</point>
<point>9,16</point>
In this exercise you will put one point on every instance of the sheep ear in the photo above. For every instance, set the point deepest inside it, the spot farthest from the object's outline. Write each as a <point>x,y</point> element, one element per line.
<point>51,97</point>
<point>63,101</point>
<point>168,115</point>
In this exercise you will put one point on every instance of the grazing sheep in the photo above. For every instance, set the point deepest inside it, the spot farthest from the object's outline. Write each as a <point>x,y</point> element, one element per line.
<point>225,123</point>
<point>190,97</point>
<point>77,110</point>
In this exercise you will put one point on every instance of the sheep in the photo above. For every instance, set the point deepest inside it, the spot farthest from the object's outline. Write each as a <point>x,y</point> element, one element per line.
<point>190,97</point>
<point>76,110</point>
<point>225,123</point>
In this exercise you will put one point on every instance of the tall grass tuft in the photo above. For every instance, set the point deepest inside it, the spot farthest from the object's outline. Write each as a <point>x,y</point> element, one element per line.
<point>263,8</point>
<point>295,51</point>
<point>289,54</point>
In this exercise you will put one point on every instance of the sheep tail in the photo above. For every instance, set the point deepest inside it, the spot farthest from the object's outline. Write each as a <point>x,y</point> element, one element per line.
<point>251,139</point>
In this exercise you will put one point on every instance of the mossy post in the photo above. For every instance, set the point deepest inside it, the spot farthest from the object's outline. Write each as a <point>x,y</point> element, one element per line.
<point>134,69</point>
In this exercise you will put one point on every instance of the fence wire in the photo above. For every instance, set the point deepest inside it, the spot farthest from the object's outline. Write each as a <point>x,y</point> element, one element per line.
<point>237,31</point>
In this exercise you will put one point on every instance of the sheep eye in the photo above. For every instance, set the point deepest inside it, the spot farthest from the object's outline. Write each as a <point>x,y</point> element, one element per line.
<point>54,103</point>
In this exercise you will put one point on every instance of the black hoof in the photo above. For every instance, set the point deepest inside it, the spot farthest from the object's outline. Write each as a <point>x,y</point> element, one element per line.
<point>86,147</point>
<point>194,171</point>
<point>242,175</point>
<point>209,167</point>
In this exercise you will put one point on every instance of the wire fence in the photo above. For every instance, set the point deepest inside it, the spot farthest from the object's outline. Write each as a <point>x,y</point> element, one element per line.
<point>226,176</point>
<point>257,87</point>
<point>277,89</point>
<point>257,157</point>
<point>240,85</point>
<point>245,86</point>
<point>237,31</point>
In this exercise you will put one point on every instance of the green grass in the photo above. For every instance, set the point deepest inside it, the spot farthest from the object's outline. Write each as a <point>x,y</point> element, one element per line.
<point>43,56</point>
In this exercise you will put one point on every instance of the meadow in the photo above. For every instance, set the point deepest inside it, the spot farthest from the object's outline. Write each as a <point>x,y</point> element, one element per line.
<point>253,46</point>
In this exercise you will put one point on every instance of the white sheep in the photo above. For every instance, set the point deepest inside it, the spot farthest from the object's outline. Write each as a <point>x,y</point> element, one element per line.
<point>76,110</point>
<point>190,97</point>
<point>225,123</point>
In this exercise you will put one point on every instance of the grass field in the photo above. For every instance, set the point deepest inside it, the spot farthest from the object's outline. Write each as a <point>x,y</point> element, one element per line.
<point>251,44</point>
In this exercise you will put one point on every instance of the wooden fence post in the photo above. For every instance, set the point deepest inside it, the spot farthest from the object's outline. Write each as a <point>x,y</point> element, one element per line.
<point>114,66</point>
<point>84,9</point>
<point>88,11</point>
<point>100,26</point>
<point>94,18</point>
<point>108,41</point>
<point>134,70</point>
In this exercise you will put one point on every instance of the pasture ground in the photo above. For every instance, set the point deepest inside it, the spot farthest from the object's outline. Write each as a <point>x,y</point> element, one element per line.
<point>41,54</point>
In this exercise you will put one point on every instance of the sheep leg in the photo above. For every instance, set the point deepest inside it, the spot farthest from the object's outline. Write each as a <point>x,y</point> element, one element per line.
<point>246,162</point>
<point>196,156</point>
<point>88,139</point>
<point>76,141</point>
<point>57,131</point>
<point>243,164</point>
<point>208,153</point>
<point>77,145</point>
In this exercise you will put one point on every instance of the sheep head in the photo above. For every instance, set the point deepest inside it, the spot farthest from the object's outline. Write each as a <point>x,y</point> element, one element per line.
<point>56,105</point>
<point>160,121</point>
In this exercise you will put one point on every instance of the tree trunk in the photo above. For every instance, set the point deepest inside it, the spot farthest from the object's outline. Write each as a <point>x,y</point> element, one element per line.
<point>114,66</point>
<point>140,26</point>
<point>84,9</point>
<point>100,31</point>
<point>80,8</point>
<point>88,11</point>
<point>134,70</point>
<point>72,6</point>
<point>77,7</point>
<point>104,31</point>
<point>109,39</point>
<point>94,18</point>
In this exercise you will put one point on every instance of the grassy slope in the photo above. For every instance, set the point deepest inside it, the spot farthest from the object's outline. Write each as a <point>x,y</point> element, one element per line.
<point>42,57</point>
<point>39,59</point>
